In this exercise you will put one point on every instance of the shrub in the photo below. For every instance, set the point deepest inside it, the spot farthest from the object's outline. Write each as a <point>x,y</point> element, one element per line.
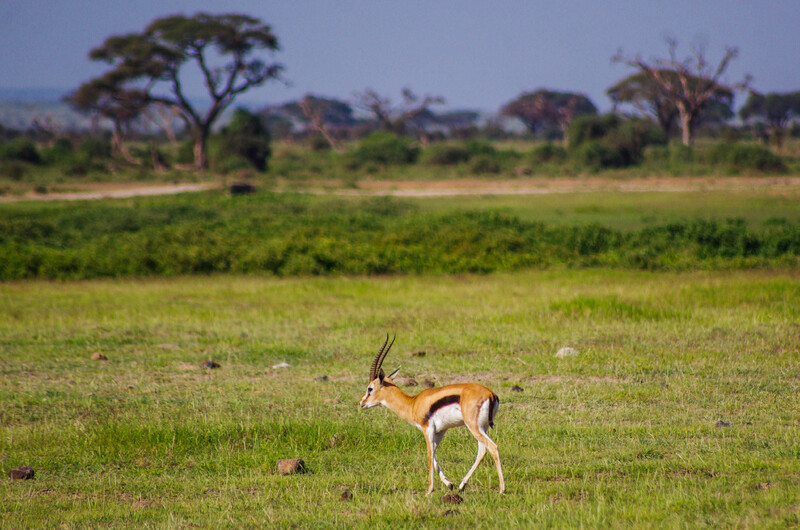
<point>441,154</point>
<point>185,154</point>
<point>746,157</point>
<point>21,149</point>
<point>318,143</point>
<point>631,137</point>
<point>13,170</point>
<point>681,154</point>
<point>548,153</point>
<point>597,154</point>
<point>246,137</point>
<point>232,163</point>
<point>483,164</point>
<point>587,128</point>
<point>628,138</point>
<point>477,147</point>
<point>387,149</point>
<point>95,148</point>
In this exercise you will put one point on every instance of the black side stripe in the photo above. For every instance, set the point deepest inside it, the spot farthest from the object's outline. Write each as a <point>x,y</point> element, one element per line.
<point>439,403</point>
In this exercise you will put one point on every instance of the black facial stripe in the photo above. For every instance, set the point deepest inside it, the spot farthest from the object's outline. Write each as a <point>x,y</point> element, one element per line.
<point>442,402</point>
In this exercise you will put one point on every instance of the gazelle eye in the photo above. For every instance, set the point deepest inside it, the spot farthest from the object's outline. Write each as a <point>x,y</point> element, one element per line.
<point>369,390</point>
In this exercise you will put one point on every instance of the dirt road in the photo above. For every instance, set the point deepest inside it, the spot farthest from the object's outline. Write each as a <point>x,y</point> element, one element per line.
<point>415,188</point>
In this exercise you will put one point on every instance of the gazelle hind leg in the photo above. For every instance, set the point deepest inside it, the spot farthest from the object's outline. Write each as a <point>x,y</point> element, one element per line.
<point>481,454</point>
<point>478,425</point>
<point>496,456</point>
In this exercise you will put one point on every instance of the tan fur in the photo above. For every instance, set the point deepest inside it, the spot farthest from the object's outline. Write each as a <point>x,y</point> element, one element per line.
<point>414,409</point>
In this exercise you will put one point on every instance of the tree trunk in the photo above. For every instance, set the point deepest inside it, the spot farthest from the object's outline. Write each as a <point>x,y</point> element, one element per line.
<point>119,147</point>
<point>200,154</point>
<point>686,126</point>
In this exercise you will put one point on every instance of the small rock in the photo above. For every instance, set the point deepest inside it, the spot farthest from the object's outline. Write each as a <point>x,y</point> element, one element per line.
<point>241,188</point>
<point>290,466</point>
<point>21,473</point>
<point>346,496</point>
<point>321,378</point>
<point>99,357</point>
<point>280,365</point>
<point>408,381</point>
<point>452,498</point>
<point>566,352</point>
<point>449,513</point>
<point>724,424</point>
<point>428,383</point>
<point>418,353</point>
<point>517,388</point>
<point>210,364</point>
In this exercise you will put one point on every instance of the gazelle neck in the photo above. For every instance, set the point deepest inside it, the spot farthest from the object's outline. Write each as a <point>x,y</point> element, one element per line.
<point>399,402</point>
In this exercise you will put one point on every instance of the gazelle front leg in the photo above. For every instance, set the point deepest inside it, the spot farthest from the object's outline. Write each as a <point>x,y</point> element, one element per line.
<point>429,444</point>
<point>432,440</point>
<point>436,438</point>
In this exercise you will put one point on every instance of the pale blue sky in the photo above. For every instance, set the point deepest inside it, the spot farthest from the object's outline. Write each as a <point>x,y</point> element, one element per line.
<point>476,54</point>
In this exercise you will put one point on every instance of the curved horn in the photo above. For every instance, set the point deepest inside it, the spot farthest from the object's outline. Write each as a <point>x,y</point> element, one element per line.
<point>380,363</point>
<point>376,364</point>
<point>373,370</point>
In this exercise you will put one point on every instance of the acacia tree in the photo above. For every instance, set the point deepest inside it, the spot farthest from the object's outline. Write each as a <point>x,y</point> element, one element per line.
<point>414,111</point>
<point>107,97</point>
<point>545,108</point>
<point>777,110</point>
<point>644,94</point>
<point>155,60</point>
<point>689,84</point>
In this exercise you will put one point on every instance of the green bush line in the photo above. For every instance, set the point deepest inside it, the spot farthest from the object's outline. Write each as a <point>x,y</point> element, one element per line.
<point>289,236</point>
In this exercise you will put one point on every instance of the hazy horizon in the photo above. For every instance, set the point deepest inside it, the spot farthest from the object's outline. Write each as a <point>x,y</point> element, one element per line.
<point>477,56</point>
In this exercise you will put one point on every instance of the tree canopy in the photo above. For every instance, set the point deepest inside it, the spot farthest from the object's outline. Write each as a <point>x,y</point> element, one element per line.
<point>547,108</point>
<point>776,110</point>
<point>108,97</point>
<point>154,61</point>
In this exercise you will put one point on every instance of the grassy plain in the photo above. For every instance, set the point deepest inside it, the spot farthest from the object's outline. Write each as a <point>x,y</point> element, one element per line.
<point>682,409</point>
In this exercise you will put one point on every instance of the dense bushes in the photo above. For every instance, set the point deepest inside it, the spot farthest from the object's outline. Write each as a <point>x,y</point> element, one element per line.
<point>609,141</point>
<point>386,148</point>
<point>20,149</point>
<point>747,157</point>
<point>297,235</point>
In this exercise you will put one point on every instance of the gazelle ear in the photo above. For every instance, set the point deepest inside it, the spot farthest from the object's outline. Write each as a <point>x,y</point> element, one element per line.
<point>391,376</point>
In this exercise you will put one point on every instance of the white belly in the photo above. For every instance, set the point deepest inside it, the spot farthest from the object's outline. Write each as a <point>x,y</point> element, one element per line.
<point>447,418</point>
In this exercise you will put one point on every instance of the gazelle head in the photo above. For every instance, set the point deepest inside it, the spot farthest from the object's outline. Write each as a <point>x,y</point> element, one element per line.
<point>377,380</point>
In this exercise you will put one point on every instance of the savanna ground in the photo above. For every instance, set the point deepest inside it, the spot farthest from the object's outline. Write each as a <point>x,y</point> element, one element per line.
<point>682,407</point>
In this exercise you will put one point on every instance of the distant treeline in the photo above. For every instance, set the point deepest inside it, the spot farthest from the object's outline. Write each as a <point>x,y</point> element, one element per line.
<point>299,235</point>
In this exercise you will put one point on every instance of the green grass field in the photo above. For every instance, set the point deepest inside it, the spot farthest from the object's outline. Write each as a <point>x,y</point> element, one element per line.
<point>625,434</point>
<point>301,234</point>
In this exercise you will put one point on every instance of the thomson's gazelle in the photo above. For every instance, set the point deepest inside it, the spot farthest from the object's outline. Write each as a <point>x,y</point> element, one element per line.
<point>436,410</point>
